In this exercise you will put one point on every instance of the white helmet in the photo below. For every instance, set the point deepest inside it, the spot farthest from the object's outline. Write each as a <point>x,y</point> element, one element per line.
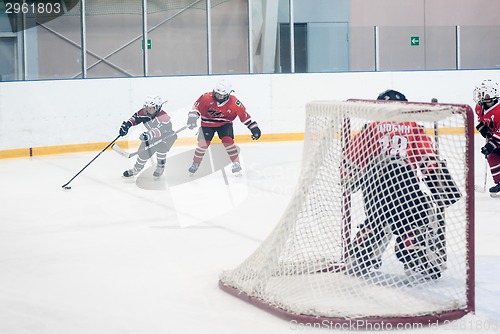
<point>222,91</point>
<point>485,92</point>
<point>153,102</point>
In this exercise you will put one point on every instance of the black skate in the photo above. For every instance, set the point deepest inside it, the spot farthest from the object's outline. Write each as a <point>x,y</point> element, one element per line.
<point>236,169</point>
<point>422,254</point>
<point>160,168</point>
<point>495,191</point>
<point>131,172</point>
<point>194,167</point>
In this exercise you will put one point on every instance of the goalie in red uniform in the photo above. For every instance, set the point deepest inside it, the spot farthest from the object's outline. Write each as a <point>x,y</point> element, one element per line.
<point>218,109</point>
<point>386,161</point>
<point>488,113</point>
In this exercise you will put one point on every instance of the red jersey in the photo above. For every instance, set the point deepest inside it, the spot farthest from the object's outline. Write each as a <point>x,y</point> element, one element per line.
<point>404,140</point>
<point>491,118</point>
<point>215,115</point>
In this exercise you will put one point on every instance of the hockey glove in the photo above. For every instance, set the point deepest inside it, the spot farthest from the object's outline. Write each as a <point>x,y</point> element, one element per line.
<point>124,128</point>
<point>443,187</point>
<point>256,133</point>
<point>254,128</point>
<point>488,148</point>
<point>147,136</point>
<point>483,129</point>
<point>192,119</point>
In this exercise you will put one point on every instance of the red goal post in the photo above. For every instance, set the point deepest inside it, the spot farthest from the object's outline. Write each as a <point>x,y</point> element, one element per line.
<point>329,261</point>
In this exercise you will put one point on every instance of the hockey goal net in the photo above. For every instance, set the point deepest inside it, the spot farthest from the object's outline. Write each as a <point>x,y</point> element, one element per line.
<point>380,227</point>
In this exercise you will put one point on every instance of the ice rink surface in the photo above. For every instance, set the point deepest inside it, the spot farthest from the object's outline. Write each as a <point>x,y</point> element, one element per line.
<point>115,255</point>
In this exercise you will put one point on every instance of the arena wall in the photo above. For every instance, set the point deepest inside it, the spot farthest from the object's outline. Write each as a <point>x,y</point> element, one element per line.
<point>61,116</point>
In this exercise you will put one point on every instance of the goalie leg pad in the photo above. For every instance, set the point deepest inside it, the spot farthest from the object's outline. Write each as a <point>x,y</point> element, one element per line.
<point>368,247</point>
<point>423,249</point>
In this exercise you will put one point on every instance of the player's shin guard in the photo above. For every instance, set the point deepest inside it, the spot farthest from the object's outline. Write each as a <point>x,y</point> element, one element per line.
<point>494,162</point>
<point>161,160</point>
<point>231,149</point>
<point>200,151</point>
<point>368,247</point>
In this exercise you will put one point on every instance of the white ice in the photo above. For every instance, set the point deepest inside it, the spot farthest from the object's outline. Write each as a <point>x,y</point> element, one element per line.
<point>113,255</point>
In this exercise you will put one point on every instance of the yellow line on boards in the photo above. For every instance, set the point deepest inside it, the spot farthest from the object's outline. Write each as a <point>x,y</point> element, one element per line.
<point>126,144</point>
<point>191,141</point>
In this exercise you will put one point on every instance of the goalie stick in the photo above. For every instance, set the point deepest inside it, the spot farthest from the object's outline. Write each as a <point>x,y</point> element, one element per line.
<point>127,155</point>
<point>482,188</point>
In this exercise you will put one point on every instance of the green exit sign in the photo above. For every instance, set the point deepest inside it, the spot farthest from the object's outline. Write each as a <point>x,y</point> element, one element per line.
<point>149,44</point>
<point>415,40</point>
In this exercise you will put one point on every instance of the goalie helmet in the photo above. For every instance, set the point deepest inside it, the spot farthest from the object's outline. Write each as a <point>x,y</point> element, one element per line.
<point>391,94</point>
<point>222,91</point>
<point>152,105</point>
<point>486,92</point>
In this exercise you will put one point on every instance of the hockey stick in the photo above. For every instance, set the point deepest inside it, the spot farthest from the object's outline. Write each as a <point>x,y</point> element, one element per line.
<point>65,186</point>
<point>127,155</point>
<point>479,188</point>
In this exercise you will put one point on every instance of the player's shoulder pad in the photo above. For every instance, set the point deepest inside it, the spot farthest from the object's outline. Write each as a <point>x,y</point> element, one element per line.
<point>163,116</point>
<point>205,97</point>
<point>141,112</point>
<point>238,103</point>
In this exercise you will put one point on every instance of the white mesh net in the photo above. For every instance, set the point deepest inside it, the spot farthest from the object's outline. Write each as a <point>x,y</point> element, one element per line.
<point>378,226</point>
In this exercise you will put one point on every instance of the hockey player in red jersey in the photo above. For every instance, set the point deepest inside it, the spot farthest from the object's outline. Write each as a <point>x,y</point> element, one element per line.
<point>158,139</point>
<point>487,109</point>
<point>386,161</point>
<point>218,109</point>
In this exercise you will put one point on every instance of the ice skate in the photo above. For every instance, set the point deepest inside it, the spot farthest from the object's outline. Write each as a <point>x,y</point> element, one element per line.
<point>131,172</point>
<point>236,169</point>
<point>495,191</point>
<point>194,167</point>
<point>160,168</point>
